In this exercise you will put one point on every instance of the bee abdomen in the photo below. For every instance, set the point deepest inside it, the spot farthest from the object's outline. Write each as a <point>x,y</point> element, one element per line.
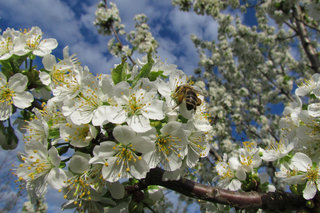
<point>191,100</point>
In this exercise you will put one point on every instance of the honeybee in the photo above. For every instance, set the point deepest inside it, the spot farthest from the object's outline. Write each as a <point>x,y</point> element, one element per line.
<point>189,94</point>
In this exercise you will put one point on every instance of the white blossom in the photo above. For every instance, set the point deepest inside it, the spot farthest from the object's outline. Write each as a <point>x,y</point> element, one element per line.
<point>170,147</point>
<point>135,107</point>
<point>123,159</point>
<point>13,93</point>
<point>41,166</point>
<point>31,41</point>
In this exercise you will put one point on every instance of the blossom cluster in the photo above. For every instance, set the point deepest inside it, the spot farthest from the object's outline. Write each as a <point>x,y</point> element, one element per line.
<point>142,37</point>
<point>15,43</point>
<point>108,22</point>
<point>300,124</point>
<point>108,19</point>
<point>238,170</point>
<point>98,130</point>
<point>296,155</point>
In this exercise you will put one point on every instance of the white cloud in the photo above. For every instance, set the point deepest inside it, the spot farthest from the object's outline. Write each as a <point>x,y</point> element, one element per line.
<point>60,20</point>
<point>185,24</point>
<point>54,17</point>
<point>93,57</point>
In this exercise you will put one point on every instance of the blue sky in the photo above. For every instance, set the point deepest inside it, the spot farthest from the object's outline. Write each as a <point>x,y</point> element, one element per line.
<point>71,23</point>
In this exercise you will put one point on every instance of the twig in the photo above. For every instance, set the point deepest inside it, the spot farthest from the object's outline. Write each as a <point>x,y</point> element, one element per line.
<point>215,154</point>
<point>117,36</point>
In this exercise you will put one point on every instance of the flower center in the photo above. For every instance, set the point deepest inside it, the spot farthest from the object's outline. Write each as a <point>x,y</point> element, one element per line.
<point>126,153</point>
<point>36,167</point>
<point>6,95</point>
<point>313,173</point>
<point>125,156</point>
<point>163,143</point>
<point>168,144</point>
<point>81,133</point>
<point>246,160</point>
<point>34,42</point>
<point>276,146</point>
<point>197,142</point>
<point>225,172</point>
<point>249,146</point>
<point>134,106</point>
<point>6,46</point>
<point>78,189</point>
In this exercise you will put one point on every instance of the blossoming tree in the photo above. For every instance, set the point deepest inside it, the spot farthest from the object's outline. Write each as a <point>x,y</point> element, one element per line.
<point>114,142</point>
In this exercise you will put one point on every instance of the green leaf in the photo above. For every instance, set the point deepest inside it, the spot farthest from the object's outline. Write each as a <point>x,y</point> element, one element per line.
<point>153,187</point>
<point>277,5</point>
<point>8,138</point>
<point>118,74</point>
<point>286,78</point>
<point>148,201</point>
<point>54,133</point>
<point>62,165</point>
<point>154,75</point>
<point>12,65</point>
<point>145,70</point>
<point>6,68</point>
<point>135,207</point>
<point>62,150</point>
<point>182,119</point>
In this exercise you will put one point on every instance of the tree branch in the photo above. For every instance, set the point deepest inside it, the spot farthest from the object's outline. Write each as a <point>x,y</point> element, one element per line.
<point>305,41</point>
<point>215,154</point>
<point>269,201</point>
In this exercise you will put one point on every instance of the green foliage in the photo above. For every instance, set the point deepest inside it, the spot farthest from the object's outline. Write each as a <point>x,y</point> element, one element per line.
<point>119,73</point>
<point>145,70</point>
<point>8,138</point>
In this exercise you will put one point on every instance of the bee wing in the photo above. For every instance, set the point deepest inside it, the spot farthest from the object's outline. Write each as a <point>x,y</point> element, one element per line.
<point>198,90</point>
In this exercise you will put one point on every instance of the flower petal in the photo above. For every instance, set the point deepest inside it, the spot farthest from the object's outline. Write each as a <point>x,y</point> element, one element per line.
<point>45,78</point>
<point>301,162</point>
<point>116,189</point>
<point>49,61</point>
<point>57,178</point>
<point>3,79</point>
<point>104,149</point>
<point>5,111</point>
<point>116,115</point>
<point>54,156</point>
<point>79,162</point>
<point>139,123</point>
<point>154,110</point>
<point>22,100</point>
<point>123,134</point>
<point>139,169</point>
<point>235,185</point>
<point>82,117</point>
<point>310,191</point>
<point>142,144</point>
<point>18,82</point>
<point>100,116</point>
<point>314,109</point>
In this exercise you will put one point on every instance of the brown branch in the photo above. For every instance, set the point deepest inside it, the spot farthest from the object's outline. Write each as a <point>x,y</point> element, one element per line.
<point>279,200</point>
<point>313,27</point>
<point>215,154</point>
<point>304,38</point>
